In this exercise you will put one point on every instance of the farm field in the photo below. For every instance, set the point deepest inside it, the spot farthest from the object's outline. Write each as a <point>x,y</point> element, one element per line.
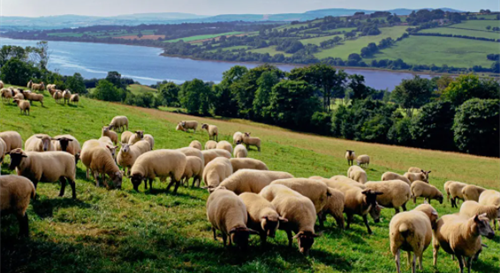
<point>155,231</point>
<point>271,50</point>
<point>203,37</point>
<point>466,32</point>
<point>137,89</point>
<point>478,24</point>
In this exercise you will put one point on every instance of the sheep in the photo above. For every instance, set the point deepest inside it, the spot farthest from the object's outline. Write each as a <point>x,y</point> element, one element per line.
<point>356,173</point>
<point>461,236</point>
<point>470,208</point>
<point>195,144</point>
<point>213,132</point>
<point>107,143</point>
<point>209,145</point>
<point>67,143</point>
<point>138,135</point>
<point>422,176</point>
<point>86,153</point>
<point>411,231</point>
<point>119,123</point>
<point>214,153</point>
<point>193,169</point>
<point>336,180</point>
<point>128,154</point>
<point>75,98</point>
<point>363,159</point>
<point>428,191</point>
<point>472,192</point>
<point>248,141</point>
<point>66,95</point>
<point>225,146</point>
<point>179,127</point>
<point>33,97</point>
<point>455,189</point>
<point>125,137</point>
<point>395,193</point>
<point>418,170</point>
<point>149,138</point>
<point>39,143</point>
<point>24,106</point>
<point>3,152</point>
<point>189,124</point>
<point>395,176</point>
<point>490,198</point>
<point>18,96</point>
<point>188,151</point>
<point>350,155</point>
<point>217,170</point>
<point>45,167</point>
<point>57,95</point>
<point>6,94</point>
<point>334,207</point>
<point>105,131</point>
<point>237,138</point>
<point>51,88</point>
<point>252,180</point>
<point>248,163</point>
<point>298,210</point>
<point>100,161</point>
<point>12,140</point>
<point>227,213</point>
<point>15,195</point>
<point>159,163</point>
<point>315,190</point>
<point>37,86</point>
<point>240,151</point>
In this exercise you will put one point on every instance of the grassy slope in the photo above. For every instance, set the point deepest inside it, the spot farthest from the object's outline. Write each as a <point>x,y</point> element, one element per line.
<point>137,88</point>
<point>125,231</point>
<point>478,24</point>
<point>456,31</point>
<point>202,37</point>
<point>271,50</point>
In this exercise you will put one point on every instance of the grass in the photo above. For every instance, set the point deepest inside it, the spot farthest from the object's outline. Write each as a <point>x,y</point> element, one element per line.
<point>203,37</point>
<point>128,231</point>
<point>478,24</point>
<point>138,88</point>
<point>271,50</point>
<point>317,41</point>
<point>466,32</point>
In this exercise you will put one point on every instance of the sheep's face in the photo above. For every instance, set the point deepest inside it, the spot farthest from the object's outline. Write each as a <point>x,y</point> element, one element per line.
<point>306,240</point>
<point>204,126</point>
<point>246,134</point>
<point>117,180</point>
<point>105,129</point>
<point>45,142</point>
<point>375,213</point>
<point>240,236</point>
<point>112,150</point>
<point>125,148</point>
<point>64,142</point>
<point>179,127</point>
<point>136,181</point>
<point>482,226</point>
<point>269,225</point>
<point>440,199</point>
<point>140,134</point>
<point>16,157</point>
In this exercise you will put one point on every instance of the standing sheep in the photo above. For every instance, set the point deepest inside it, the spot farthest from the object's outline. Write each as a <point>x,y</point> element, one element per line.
<point>24,106</point>
<point>470,208</point>
<point>334,207</point>
<point>455,189</point>
<point>51,88</point>
<point>209,155</point>
<point>75,98</point>
<point>193,169</point>
<point>99,160</point>
<point>68,143</point>
<point>315,190</point>
<point>58,95</point>
<point>472,192</point>
<point>356,173</point>
<point>12,140</point>
<point>105,131</point>
<point>128,154</point>
<point>217,170</point>
<point>490,198</point>
<point>225,146</point>
<point>395,193</point>
<point>66,95</point>
<point>251,141</point>
<point>422,176</point>
<point>428,191</point>
<point>86,153</point>
<point>209,145</point>
<point>120,123</point>
<point>138,135</point>
<point>213,132</point>
<point>33,97</point>
<point>188,151</point>
<point>248,163</point>
<point>395,176</point>
<point>39,143</point>
<point>240,151</point>
<point>363,159</point>
<point>38,86</point>
<point>252,180</point>
<point>189,124</point>
<point>15,195</point>
<point>418,170</point>
<point>149,138</point>
<point>350,155</point>
<point>237,138</point>
<point>195,144</point>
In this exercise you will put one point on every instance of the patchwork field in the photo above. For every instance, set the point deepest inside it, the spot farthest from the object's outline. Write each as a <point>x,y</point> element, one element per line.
<point>478,24</point>
<point>466,32</point>
<point>203,37</point>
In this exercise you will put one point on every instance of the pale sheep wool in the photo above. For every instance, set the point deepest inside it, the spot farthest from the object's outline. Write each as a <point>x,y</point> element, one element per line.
<point>395,193</point>
<point>240,151</point>
<point>15,195</point>
<point>252,180</point>
<point>428,191</point>
<point>248,163</point>
<point>217,170</point>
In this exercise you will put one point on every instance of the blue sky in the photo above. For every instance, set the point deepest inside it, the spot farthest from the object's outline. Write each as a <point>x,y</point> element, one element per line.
<point>33,8</point>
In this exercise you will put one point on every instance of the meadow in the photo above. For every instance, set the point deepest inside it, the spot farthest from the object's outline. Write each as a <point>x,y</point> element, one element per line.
<point>155,231</point>
<point>203,37</point>
<point>465,32</point>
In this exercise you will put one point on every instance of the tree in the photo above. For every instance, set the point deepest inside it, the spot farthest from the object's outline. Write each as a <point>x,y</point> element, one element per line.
<point>8,52</point>
<point>466,87</point>
<point>431,127</point>
<point>265,82</point>
<point>358,87</point>
<point>76,84</point>
<point>106,91</point>
<point>413,94</point>
<point>16,72</point>
<point>169,94</point>
<point>42,48</point>
<point>195,96</point>
<point>488,27</point>
<point>400,133</point>
<point>115,78</point>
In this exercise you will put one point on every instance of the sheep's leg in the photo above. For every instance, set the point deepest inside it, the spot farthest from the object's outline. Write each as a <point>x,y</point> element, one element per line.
<point>96,177</point>
<point>454,202</point>
<point>435,254</point>
<point>258,147</point>
<point>397,210</point>
<point>224,239</point>
<point>215,237</point>
<point>339,219</point>
<point>420,261</point>
<point>321,218</point>
<point>460,262</point>
<point>177,184</point>
<point>87,173</point>
<point>469,264</point>
<point>150,184</point>
<point>414,200</point>
<point>263,238</point>
<point>23,225</point>
<point>408,258</point>
<point>404,207</point>
<point>290,237</point>
<point>413,263</point>
<point>170,184</point>
<point>397,261</point>
<point>194,181</point>
<point>73,187</point>
<point>63,186</point>
<point>349,220</point>
<point>365,219</point>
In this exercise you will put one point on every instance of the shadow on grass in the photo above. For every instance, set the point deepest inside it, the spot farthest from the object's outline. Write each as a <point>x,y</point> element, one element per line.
<point>45,207</point>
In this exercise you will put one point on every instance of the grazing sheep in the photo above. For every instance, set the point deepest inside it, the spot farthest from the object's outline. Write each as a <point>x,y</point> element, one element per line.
<point>24,106</point>
<point>209,145</point>
<point>125,137</point>
<point>461,236</point>
<point>18,96</point>
<point>86,154</point>
<point>33,97</point>
<point>341,180</point>
<point>213,132</point>
<point>58,95</point>
<point>315,190</point>
<point>195,144</point>
<point>240,151</point>
<point>252,180</point>
<point>248,163</point>
<point>251,141</point>
<point>395,176</point>
<point>194,169</point>
<point>15,195</point>
<point>262,215</point>
<point>138,135</point>
<point>363,159</point>
<point>98,159</point>
<point>356,173</point>
<point>395,193</point>
<point>455,189</point>
<point>12,140</point>
<point>188,151</point>
<point>227,213</point>
<point>472,192</point>
<point>217,170</point>
<point>225,146</point>
<point>411,231</point>
<point>51,88</point>
<point>334,207</point>
<point>39,143</point>
<point>75,98</point>
<point>470,208</point>
<point>428,191</point>
<point>120,123</point>
<point>38,86</point>
<point>128,154</point>
<point>66,95</point>
<point>149,138</point>
<point>45,167</point>
<point>418,170</point>
<point>422,176</point>
<point>67,143</point>
<point>3,152</point>
<point>209,155</point>
<point>6,94</point>
<point>298,210</point>
<point>1,84</point>
<point>350,155</point>
<point>189,124</point>
<point>237,138</point>
<point>159,163</point>
<point>105,131</point>
<point>490,198</point>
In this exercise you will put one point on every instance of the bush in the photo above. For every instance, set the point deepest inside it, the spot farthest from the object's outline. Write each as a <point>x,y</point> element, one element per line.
<point>431,128</point>
<point>400,132</point>
<point>321,123</point>
<point>106,91</point>
<point>17,72</point>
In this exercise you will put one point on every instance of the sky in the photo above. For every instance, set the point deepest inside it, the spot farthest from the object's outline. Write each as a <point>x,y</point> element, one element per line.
<point>35,8</point>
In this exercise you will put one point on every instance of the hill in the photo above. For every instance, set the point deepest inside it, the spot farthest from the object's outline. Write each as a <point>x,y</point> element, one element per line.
<point>128,231</point>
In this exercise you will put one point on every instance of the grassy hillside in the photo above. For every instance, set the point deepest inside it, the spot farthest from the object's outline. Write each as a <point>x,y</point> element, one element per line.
<point>466,32</point>
<point>138,88</point>
<point>203,37</point>
<point>126,231</point>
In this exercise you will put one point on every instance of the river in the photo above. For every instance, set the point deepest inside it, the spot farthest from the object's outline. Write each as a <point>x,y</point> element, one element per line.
<point>144,64</point>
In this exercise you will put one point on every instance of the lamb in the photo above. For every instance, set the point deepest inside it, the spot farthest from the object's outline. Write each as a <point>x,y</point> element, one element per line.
<point>472,192</point>
<point>251,141</point>
<point>428,191</point>
<point>248,163</point>
<point>125,137</point>
<point>356,173</point>
<point>395,176</point>
<point>45,167</point>
<point>217,170</point>
<point>213,132</point>
<point>149,138</point>
<point>120,123</point>
<point>315,190</point>
<point>455,189</point>
<point>39,143</point>
<point>188,151</point>
<point>33,97</point>
<point>15,195</point>
<point>194,169</point>
<point>262,215</point>
<point>350,155</point>
<point>395,193</point>
<point>470,208</point>
<point>252,180</point>
<point>37,86</point>
<point>128,154</point>
<point>227,213</point>
<point>225,146</point>
<point>105,131</point>
<point>461,236</point>
<point>490,198</point>
<point>66,95</point>
<point>237,138</point>
<point>98,159</point>
<point>209,155</point>
<point>159,163</point>
<point>75,98</point>
<point>298,210</point>
<point>334,207</point>
<point>363,159</point>
<point>189,124</point>
<point>12,140</point>
<point>422,176</point>
<point>24,106</point>
<point>209,145</point>
<point>138,135</point>
<point>57,95</point>
<point>67,143</point>
<point>411,231</point>
<point>195,144</point>
<point>240,151</point>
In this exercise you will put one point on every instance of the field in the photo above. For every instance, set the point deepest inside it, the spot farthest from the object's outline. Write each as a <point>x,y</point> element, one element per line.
<point>478,24</point>
<point>271,50</point>
<point>466,32</point>
<point>203,37</point>
<point>137,89</point>
<point>155,231</point>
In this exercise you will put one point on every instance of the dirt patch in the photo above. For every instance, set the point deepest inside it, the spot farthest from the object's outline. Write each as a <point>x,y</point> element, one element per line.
<point>144,37</point>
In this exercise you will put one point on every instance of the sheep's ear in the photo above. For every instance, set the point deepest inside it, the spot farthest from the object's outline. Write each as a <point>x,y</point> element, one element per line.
<point>283,219</point>
<point>23,155</point>
<point>428,172</point>
<point>378,193</point>
<point>69,139</point>
<point>298,234</point>
<point>251,231</point>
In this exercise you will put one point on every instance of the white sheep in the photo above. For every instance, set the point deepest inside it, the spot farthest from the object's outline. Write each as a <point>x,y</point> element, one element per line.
<point>138,135</point>
<point>15,195</point>
<point>470,208</point>
<point>350,155</point>
<point>472,192</point>
<point>189,124</point>
<point>150,139</point>
<point>128,154</point>
<point>209,155</point>
<point>6,94</point>
<point>334,207</point>
<point>428,191</point>
<point>193,169</point>
<point>12,140</point>
<point>105,131</point>
<point>66,95</point>
<point>189,151</point>
<point>125,137</point>
<point>24,106</point>
<point>341,180</point>
<point>225,146</point>
<point>213,132</point>
<point>237,137</point>
<point>195,144</point>
<point>33,97</point>
<point>209,145</point>
<point>57,95</point>
<point>248,163</point>
<point>315,190</point>
<point>455,189</point>
<point>68,143</point>
<point>363,160</point>
<point>395,193</point>
<point>75,98</point>
<point>99,159</point>
<point>395,176</point>
<point>39,143</point>
<point>217,170</point>
<point>356,173</point>
<point>51,88</point>
<point>87,154</point>
<point>119,123</point>
<point>422,176</point>
<point>251,141</point>
<point>252,180</point>
<point>418,170</point>
<point>240,151</point>
<point>18,96</point>
<point>490,198</point>
<point>37,86</point>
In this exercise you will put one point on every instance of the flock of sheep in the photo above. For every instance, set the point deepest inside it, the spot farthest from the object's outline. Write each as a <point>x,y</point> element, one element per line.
<point>246,197</point>
<point>25,97</point>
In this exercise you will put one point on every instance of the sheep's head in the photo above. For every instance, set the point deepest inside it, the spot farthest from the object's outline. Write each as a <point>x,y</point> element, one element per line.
<point>117,179</point>
<point>45,142</point>
<point>350,152</point>
<point>112,150</point>
<point>140,134</point>
<point>64,142</point>
<point>482,226</point>
<point>306,240</point>
<point>271,223</point>
<point>16,157</point>
<point>125,148</point>
<point>371,200</point>
<point>440,198</point>
<point>204,126</point>
<point>240,235</point>
<point>105,129</point>
<point>77,157</point>
<point>425,175</point>
<point>246,134</point>
<point>16,101</point>
<point>183,123</point>
<point>136,181</point>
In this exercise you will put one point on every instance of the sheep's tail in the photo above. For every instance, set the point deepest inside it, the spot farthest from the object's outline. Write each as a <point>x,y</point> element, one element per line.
<point>404,230</point>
